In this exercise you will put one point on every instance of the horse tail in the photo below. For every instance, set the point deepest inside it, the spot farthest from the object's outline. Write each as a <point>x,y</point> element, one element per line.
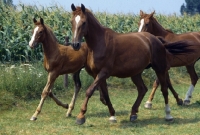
<point>179,47</point>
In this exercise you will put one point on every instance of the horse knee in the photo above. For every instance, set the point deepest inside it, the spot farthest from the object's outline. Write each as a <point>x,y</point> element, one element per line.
<point>88,94</point>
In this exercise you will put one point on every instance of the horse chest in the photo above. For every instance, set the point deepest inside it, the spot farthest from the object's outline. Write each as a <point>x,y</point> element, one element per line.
<point>95,63</point>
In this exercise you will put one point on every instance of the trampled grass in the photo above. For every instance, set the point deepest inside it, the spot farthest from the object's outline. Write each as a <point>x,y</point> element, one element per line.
<point>52,119</point>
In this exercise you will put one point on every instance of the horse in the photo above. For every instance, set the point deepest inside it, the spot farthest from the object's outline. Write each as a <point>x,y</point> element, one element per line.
<point>149,24</point>
<point>58,60</point>
<point>121,55</point>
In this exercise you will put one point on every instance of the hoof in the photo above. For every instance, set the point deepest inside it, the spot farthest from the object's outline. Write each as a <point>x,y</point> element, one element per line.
<point>133,118</point>
<point>80,121</point>
<point>186,102</point>
<point>180,102</point>
<point>169,120</point>
<point>33,118</point>
<point>148,105</point>
<point>68,115</point>
<point>113,119</point>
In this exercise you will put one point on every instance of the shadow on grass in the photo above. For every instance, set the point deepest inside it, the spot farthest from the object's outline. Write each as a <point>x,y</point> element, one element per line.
<point>156,121</point>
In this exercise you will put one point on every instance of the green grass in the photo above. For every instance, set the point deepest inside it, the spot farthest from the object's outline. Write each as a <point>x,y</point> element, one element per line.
<point>52,119</point>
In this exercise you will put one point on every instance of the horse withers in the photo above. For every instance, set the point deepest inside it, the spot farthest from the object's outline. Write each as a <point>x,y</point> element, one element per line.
<point>121,55</point>
<point>149,24</point>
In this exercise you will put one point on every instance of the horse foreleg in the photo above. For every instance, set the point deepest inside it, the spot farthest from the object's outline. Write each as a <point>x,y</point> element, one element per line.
<point>142,89</point>
<point>81,116</point>
<point>148,104</point>
<point>194,79</point>
<point>77,86</point>
<point>46,91</point>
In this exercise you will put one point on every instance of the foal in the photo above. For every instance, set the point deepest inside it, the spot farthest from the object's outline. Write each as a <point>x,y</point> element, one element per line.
<point>149,24</point>
<point>58,60</point>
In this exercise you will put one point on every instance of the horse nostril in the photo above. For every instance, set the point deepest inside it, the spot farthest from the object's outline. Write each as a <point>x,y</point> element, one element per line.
<point>77,44</point>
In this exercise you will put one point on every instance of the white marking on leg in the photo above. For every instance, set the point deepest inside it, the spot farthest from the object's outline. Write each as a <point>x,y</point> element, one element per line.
<point>141,25</point>
<point>77,19</point>
<point>189,92</point>
<point>33,36</point>
<point>72,103</point>
<point>167,111</point>
<point>112,118</point>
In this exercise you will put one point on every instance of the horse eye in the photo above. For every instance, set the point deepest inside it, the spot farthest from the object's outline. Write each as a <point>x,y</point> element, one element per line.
<point>83,23</point>
<point>40,32</point>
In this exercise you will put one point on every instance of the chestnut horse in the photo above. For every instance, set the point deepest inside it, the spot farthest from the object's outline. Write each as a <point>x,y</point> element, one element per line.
<point>58,60</point>
<point>121,55</point>
<point>149,24</point>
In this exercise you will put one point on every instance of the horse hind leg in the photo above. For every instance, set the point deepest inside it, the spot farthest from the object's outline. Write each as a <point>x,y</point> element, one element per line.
<point>58,102</point>
<point>142,89</point>
<point>178,100</point>
<point>194,79</point>
<point>77,86</point>
<point>148,104</point>
<point>163,82</point>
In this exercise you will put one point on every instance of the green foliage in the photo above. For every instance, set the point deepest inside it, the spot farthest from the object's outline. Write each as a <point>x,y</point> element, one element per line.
<point>16,27</point>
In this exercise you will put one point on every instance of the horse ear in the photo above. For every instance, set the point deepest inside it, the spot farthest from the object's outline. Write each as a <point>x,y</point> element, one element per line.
<point>141,13</point>
<point>151,15</point>
<point>73,7</point>
<point>83,8</point>
<point>41,21</point>
<point>34,20</point>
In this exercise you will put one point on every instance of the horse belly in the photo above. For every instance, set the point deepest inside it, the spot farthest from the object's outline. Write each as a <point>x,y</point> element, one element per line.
<point>130,67</point>
<point>182,60</point>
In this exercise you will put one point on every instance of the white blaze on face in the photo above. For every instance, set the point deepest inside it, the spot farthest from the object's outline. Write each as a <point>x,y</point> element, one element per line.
<point>77,19</point>
<point>33,36</point>
<point>141,25</point>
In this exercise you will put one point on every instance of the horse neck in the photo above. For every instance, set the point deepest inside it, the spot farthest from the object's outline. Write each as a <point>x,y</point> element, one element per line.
<point>95,31</point>
<point>157,29</point>
<point>50,46</point>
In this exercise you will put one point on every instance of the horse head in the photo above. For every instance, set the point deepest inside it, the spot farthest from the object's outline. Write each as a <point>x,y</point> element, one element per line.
<point>145,23</point>
<point>38,33</point>
<point>79,25</point>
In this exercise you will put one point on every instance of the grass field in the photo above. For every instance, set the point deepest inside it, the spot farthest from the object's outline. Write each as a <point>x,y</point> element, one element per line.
<point>52,119</point>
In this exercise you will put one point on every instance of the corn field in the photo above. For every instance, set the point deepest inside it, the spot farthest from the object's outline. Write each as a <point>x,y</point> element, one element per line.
<point>16,27</point>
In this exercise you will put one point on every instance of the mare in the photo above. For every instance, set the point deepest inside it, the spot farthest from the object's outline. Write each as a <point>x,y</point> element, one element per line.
<point>121,55</point>
<point>58,60</point>
<point>149,24</point>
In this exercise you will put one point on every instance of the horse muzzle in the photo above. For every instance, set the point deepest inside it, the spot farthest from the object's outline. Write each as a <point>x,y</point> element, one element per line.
<point>76,46</point>
<point>33,45</point>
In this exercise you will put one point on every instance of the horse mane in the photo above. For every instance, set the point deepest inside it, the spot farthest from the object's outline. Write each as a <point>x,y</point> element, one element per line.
<point>51,32</point>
